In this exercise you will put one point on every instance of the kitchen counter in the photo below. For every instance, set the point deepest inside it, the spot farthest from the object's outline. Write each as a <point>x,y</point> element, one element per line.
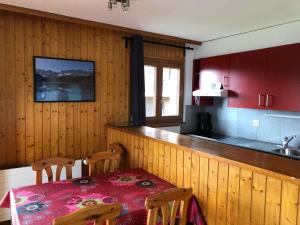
<point>246,143</point>
<point>228,150</point>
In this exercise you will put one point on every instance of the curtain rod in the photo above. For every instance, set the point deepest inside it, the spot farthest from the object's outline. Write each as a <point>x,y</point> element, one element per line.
<point>158,43</point>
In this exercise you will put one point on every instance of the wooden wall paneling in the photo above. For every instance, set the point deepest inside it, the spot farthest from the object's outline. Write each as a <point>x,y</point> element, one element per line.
<point>116,77</point>
<point>221,214</point>
<point>155,158</point>
<point>54,106</point>
<point>92,113</point>
<point>46,106</point>
<point>20,90</point>
<point>83,105</point>
<point>258,199</point>
<point>136,152</point>
<point>29,106</point>
<point>233,195</point>
<point>273,197</point>
<point>167,163</point>
<point>141,152</point>
<point>40,130</point>
<point>97,107</point>
<point>195,174</point>
<point>70,105</point>
<point>77,108</point>
<point>161,149</point>
<point>180,167</point>
<point>110,79</point>
<point>245,198</point>
<point>187,164</point>
<point>103,85</point>
<point>146,153</point>
<point>10,40</point>
<point>132,151</point>
<point>62,106</point>
<point>3,131</point>
<point>203,184</point>
<point>38,108</point>
<point>290,202</point>
<point>150,156</point>
<point>173,165</point>
<point>212,192</point>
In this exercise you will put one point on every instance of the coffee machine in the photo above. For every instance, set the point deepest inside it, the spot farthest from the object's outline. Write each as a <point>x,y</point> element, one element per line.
<point>204,125</point>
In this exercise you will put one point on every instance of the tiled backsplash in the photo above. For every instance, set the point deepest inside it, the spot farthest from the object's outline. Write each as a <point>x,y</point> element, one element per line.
<point>237,122</point>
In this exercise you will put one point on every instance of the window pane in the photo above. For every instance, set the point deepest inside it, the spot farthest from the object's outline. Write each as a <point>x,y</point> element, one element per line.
<point>170,92</point>
<point>150,90</point>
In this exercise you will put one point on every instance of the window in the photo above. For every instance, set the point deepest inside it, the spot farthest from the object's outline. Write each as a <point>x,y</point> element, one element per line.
<point>163,92</point>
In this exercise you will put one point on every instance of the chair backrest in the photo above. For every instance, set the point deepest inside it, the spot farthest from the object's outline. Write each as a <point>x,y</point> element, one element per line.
<point>179,197</point>
<point>46,164</point>
<point>98,214</point>
<point>111,160</point>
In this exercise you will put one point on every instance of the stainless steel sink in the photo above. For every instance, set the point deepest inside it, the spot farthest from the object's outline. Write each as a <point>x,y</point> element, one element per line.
<point>288,152</point>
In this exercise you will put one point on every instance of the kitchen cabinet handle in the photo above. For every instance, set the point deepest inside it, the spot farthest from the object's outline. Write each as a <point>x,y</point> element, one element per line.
<point>269,100</point>
<point>259,100</point>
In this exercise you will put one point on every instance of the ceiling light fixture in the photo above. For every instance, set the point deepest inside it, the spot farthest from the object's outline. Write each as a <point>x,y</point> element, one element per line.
<point>124,4</point>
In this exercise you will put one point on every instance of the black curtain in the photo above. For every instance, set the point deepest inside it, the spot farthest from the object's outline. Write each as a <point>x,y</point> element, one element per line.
<point>137,82</point>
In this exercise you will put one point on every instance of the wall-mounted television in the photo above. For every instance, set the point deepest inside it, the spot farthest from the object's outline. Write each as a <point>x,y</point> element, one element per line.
<point>63,80</point>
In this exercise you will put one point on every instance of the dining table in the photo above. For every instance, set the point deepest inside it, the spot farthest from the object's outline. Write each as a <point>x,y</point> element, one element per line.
<point>40,204</point>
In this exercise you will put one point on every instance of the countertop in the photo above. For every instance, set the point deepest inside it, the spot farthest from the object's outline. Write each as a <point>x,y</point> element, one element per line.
<point>261,159</point>
<point>246,143</point>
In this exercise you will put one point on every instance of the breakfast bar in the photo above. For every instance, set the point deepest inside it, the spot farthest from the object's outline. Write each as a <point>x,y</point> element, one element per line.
<point>233,185</point>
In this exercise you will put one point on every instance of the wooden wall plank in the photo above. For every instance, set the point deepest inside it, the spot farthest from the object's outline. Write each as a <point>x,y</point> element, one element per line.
<point>258,196</point>
<point>3,131</point>
<point>203,188</point>
<point>173,166</point>
<point>273,201</point>
<point>38,108</point>
<point>180,167</point>
<point>233,195</point>
<point>20,91</point>
<point>29,105</point>
<point>161,149</point>
<point>289,201</point>
<point>212,192</point>
<point>222,194</point>
<point>167,162</point>
<point>245,198</point>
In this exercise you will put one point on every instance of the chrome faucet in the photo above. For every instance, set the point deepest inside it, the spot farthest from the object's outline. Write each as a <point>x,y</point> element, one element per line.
<point>286,141</point>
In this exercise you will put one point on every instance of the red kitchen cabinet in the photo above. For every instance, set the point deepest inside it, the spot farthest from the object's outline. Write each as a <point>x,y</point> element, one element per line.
<point>283,72</point>
<point>248,80</point>
<point>213,70</point>
<point>210,70</point>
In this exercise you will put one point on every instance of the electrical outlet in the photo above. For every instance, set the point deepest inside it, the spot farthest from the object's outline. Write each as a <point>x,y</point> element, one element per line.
<point>255,123</point>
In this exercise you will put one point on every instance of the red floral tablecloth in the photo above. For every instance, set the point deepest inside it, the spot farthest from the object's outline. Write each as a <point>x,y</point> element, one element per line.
<point>40,204</point>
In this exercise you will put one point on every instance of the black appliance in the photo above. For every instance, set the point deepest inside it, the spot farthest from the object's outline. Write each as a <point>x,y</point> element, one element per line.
<point>204,125</point>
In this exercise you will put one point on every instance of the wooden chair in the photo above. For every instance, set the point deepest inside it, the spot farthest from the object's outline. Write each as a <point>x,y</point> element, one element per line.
<point>97,213</point>
<point>178,197</point>
<point>111,159</point>
<point>46,164</point>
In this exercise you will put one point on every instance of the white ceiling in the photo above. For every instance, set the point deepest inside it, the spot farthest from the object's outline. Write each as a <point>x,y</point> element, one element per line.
<point>191,19</point>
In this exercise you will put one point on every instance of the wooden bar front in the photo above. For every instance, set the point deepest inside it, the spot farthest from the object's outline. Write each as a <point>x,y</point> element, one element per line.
<point>229,192</point>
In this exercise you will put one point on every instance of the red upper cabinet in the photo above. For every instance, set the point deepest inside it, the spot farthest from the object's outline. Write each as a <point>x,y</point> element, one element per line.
<point>248,79</point>
<point>283,72</point>
<point>210,70</point>
<point>214,70</point>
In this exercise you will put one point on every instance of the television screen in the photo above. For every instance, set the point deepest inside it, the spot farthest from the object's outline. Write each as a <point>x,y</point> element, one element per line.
<point>63,80</point>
